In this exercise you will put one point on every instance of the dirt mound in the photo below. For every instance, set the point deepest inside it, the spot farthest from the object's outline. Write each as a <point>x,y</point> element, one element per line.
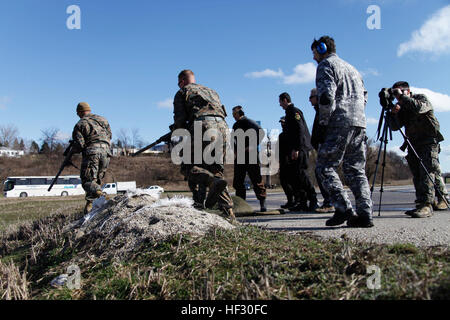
<point>120,226</point>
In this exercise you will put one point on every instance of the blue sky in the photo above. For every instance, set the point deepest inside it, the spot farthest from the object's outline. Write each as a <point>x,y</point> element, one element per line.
<point>125,58</point>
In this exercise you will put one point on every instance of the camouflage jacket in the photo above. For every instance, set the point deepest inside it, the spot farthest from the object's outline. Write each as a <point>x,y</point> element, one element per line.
<point>342,95</point>
<point>417,116</point>
<point>92,134</point>
<point>195,101</point>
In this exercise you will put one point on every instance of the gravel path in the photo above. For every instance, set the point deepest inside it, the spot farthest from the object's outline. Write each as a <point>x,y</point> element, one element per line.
<point>393,226</point>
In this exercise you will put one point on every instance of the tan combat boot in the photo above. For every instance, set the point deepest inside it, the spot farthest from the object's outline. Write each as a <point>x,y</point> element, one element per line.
<point>424,211</point>
<point>324,209</point>
<point>440,205</point>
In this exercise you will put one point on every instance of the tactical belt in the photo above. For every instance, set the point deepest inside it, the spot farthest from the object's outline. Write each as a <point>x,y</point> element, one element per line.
<point>210,118</point>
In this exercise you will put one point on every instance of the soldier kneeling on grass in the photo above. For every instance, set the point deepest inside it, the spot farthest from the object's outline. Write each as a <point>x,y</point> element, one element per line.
<point>92,137</point>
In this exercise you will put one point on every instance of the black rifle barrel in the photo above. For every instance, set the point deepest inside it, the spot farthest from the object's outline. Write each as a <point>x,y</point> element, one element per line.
<point>68,155</point>
<point>164,138</point>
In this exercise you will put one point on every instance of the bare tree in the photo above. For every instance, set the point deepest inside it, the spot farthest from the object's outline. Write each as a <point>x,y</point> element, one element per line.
<point>8,133</point>
<point>136,139</point>
<point>50,136</point>
<point>124,139</point>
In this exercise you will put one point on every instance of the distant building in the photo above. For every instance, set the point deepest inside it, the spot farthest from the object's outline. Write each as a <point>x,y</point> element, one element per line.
<point>6,152</point>
<point>129,151</point>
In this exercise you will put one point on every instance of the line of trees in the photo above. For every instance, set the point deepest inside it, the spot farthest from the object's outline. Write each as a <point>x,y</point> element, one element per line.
<point>53,141</point>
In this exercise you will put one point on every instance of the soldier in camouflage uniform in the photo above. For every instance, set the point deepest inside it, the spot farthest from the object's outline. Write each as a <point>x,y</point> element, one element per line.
<point>415,113</point>
<point>342,100</point>
<point>198,106</point>
<point>92,136</point>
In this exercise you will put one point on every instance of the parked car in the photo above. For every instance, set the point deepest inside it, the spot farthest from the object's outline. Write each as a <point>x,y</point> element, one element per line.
<point>119,187</point>
<point>156,189</point>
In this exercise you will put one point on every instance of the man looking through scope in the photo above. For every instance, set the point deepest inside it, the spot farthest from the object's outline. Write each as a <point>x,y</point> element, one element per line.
<point>415,113</point>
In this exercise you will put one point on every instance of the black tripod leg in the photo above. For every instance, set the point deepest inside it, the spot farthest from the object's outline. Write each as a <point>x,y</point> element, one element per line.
<point>382,171</point>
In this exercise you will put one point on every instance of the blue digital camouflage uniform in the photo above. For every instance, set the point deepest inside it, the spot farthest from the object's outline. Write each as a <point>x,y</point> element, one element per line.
<point>422,129</point>
<point>92,136</point>
<point>197,103</point>
<point>342,100</point>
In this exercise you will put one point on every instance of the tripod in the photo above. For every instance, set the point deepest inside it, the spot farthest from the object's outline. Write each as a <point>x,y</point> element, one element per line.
<point>383,141</point>
<point>385,117</point>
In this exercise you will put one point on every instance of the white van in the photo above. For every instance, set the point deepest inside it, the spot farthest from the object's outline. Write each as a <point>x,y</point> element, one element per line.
<point>119,187</point>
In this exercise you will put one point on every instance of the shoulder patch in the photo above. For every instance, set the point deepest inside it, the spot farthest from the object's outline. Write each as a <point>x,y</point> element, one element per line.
<point>297,116</point>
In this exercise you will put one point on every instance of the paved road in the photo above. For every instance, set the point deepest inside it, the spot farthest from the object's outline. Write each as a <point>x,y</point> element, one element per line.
<point>393,226</point>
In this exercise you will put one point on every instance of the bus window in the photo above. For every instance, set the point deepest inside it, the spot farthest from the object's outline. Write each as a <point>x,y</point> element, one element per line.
<point>22,182</point>
<point>9,185</point>
<point>38,181</point>
<point>75,181</point>
<point>63,181</point>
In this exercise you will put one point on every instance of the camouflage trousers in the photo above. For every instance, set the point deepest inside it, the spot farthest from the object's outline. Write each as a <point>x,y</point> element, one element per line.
<point>201,174</point>
<point>441,189</point>
<point>93,170</point>
<point>425,189</point>
<point>346,146</point>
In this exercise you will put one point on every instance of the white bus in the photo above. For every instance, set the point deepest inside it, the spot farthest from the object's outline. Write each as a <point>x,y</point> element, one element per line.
<point>23,187</point>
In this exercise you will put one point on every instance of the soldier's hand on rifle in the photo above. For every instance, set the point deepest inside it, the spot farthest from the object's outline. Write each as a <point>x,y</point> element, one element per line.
<point>294,155</point>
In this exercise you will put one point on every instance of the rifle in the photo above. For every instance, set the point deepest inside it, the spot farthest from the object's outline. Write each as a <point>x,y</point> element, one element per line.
<point>68,153</point>
<point>164,138</point>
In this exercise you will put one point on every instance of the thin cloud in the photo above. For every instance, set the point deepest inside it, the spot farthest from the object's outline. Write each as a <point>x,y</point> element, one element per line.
<point>433,37</point>
<point>4,101</point>
<point>303,73</point>
<point>165,104</point>
<point>370,72</point>
<point>440,101</point>
<point>268,73</point>
<point>372,121</point>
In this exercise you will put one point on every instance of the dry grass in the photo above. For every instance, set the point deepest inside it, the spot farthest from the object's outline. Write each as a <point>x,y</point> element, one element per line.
<point>13,283</point>
<point>245,263</point>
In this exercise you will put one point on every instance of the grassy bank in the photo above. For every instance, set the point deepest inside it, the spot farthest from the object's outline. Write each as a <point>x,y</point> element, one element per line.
<point>246,263</point>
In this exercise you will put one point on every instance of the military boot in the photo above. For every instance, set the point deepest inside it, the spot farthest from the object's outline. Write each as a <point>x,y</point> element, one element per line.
<point>424,211</point>
<point>262,204</point>
<point>360,222</point>
<point>313,204</point>
<point>340,217</point>
<point>325,209</point>
<point>440,205</point>
<point>216,187</point>
<point>410,212</point>
<point>288,204</point>
<point>88,207</point>
<point>300,206</point>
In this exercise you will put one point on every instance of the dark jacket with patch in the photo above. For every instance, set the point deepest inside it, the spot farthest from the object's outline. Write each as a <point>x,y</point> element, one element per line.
<point>298,137</point>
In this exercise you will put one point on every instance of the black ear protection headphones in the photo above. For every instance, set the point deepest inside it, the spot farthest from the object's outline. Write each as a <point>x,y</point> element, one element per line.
<point>322,48</point>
